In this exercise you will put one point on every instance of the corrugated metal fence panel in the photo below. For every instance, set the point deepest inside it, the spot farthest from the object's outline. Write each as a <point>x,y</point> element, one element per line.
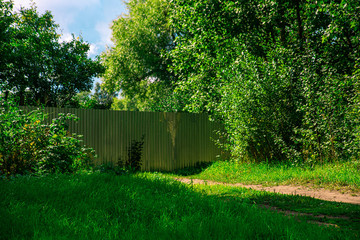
<point>171,140</point>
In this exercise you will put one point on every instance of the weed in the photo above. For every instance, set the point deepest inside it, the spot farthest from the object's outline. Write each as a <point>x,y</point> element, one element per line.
<point>133,160</point>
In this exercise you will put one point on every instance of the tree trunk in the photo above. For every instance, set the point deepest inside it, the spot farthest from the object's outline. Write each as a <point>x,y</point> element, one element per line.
<point>300,27</point>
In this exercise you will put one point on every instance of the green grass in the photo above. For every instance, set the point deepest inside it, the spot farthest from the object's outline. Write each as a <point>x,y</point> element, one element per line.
<point>143,206</point>
<point>343,215</point>
<point>343,175</point>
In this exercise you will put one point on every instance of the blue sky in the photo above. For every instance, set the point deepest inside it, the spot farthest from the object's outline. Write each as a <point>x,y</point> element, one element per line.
<point>89,18</point>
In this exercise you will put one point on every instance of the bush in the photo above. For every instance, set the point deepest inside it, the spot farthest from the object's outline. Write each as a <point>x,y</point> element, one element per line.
<point>64,152</point>
<point>259,107</point>
<point>21,137</point>
<point>281,109</point>
<point>134,152</point>
<point>130,163</point>
<point>28,146</point>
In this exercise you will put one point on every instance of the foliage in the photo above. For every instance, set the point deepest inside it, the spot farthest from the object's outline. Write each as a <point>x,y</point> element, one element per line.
<point>103,98</point>
<point>281,75</point>
<point>137,63</point>
<point>6,19</point>
<point>257,108</point>
<point>100,99</point>
<point>204,47</point>
<point>81,100</point>
<point>39,69</point>
<point>63,152</point>
<point>22,136</point>
<point>133,160</point>
<point>27,145</point>
<point>125,104</point>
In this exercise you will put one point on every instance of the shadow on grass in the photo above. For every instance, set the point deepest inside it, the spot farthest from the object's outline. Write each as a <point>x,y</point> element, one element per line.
<point>99,206</point>
<point>342,215</point>
<point>188,171</point>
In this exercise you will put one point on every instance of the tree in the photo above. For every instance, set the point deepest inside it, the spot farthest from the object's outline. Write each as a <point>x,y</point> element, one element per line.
<point>42,68</point>
<point>6,19</point>
<point>103,98</point>
<point>100,99</point>
<point>137,64</point>
<point>125,104</point>
<point>279,74</point>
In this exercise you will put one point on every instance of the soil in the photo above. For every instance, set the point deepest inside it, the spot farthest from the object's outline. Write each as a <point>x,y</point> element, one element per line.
<point>323,194</point>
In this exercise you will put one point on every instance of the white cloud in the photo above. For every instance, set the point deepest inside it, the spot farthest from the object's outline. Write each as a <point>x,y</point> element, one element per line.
<point>64,11</point>
<point>66,37</point>
<point>93,50</point>
<point>104,31</point>
<point>52,4</point>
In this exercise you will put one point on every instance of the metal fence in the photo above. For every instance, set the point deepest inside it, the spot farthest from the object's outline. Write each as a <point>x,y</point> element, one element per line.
<point>171,140</point>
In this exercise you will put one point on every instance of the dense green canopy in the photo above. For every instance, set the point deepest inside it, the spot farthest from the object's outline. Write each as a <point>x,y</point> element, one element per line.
<point>137,63</point>
<point>37,67</point>
<point>281,75</point>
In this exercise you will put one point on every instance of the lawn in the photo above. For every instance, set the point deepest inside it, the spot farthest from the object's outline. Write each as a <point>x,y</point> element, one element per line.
<point>143,206</point>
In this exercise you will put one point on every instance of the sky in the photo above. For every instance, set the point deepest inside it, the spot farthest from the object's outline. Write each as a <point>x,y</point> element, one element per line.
<point>89,18</point>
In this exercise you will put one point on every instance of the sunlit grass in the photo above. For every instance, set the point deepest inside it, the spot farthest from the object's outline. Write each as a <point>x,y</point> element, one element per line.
<point>144,206</point>
<point>341,214</point>
<point>343,175</point>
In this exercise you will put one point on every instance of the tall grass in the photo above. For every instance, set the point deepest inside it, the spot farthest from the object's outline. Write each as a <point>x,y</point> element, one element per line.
<point>329,175</point>
<point>105,206</point>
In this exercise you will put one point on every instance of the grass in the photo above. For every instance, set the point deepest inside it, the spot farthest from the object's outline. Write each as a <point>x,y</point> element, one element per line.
<point>341,176</point>
<point>342,215</point>
<point>143,206</point>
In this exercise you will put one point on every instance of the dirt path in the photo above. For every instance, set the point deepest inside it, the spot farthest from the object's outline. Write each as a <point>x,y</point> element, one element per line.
<point>321,193</point>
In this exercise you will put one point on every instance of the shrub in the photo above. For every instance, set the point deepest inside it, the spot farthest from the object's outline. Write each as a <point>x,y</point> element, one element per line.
<point>258,107</point>
<point>27,145</point>
<point>127,164</point>
<point>132,161</point>
<point>282,109</point>
<point>21,136</point>
<point>64,152</point>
